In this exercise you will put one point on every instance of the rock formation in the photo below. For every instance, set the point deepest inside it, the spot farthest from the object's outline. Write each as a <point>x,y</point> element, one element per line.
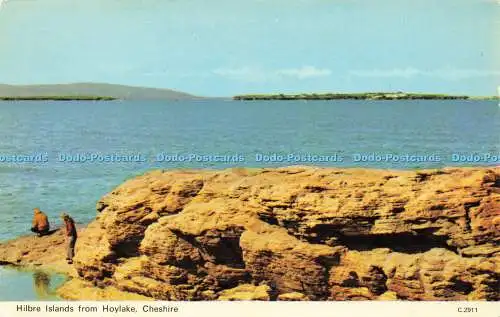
<point>298,233</point>
<point>47,252</point>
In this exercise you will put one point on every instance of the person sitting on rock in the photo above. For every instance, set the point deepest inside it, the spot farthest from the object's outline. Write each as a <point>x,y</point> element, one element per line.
<point>40,223</point>
<point>71,235</point>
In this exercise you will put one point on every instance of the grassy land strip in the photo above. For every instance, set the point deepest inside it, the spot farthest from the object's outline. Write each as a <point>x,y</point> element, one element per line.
<point>57,98</point>
<point>357,96</point>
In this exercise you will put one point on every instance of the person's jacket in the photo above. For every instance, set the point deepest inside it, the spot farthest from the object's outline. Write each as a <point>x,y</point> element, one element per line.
<point>70,228</point>
<point>40,221</point>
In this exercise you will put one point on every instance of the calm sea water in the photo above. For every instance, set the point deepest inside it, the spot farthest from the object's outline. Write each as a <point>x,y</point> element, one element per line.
<point>215,127</point>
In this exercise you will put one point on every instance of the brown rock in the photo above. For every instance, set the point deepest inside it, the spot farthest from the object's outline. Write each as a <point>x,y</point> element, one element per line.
<point>77,289</point>
<point>246,292</point>
<point>292,297</point>
<point>30,251</point>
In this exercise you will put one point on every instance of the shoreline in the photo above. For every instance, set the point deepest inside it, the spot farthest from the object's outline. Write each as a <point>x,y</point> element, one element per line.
<point>29,253</point>
<point>270,97</point>
<point>32,252</point>
<point>187,211</point>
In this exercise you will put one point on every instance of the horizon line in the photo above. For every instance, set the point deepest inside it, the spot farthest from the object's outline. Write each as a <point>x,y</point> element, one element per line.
<point>243,94</point>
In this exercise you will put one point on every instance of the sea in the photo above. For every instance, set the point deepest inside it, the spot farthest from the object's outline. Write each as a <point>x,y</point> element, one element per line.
<point>65,155</point>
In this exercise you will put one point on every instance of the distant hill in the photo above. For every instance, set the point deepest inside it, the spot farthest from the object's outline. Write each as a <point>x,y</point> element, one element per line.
<point>362,96</point>
<point>92,89</point>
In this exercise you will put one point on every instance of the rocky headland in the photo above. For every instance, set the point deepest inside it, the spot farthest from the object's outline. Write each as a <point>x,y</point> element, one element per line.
<point>295,233</point>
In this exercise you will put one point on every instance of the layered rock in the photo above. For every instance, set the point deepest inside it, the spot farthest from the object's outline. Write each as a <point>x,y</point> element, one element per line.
<point>30,251</point>
<point>320,234</point>
<point>298,233</point>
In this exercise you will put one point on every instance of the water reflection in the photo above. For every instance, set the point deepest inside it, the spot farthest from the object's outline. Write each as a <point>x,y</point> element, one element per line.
<point>20,284</point>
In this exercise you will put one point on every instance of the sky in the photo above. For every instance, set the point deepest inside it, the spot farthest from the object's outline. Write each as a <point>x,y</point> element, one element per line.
<point>229,47</point>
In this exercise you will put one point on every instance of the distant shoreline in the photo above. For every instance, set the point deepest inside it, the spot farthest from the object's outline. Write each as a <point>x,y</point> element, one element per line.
<point>57,98</point>
<point>361,96</point>
<point>257,97</point>
<point>88,91</point>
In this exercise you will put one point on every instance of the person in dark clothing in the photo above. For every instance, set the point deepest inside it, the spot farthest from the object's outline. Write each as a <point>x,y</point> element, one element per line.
<point>40,224</point>
<point>71,236</point>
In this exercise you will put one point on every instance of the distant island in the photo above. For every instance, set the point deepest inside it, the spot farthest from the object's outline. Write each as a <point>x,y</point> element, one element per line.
<point>358,96</point>
<point>88,91</point>
<point>108,92</point>
<point>57,98</point>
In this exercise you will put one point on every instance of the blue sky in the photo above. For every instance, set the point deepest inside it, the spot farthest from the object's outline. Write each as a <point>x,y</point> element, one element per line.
<point>227,47</point>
